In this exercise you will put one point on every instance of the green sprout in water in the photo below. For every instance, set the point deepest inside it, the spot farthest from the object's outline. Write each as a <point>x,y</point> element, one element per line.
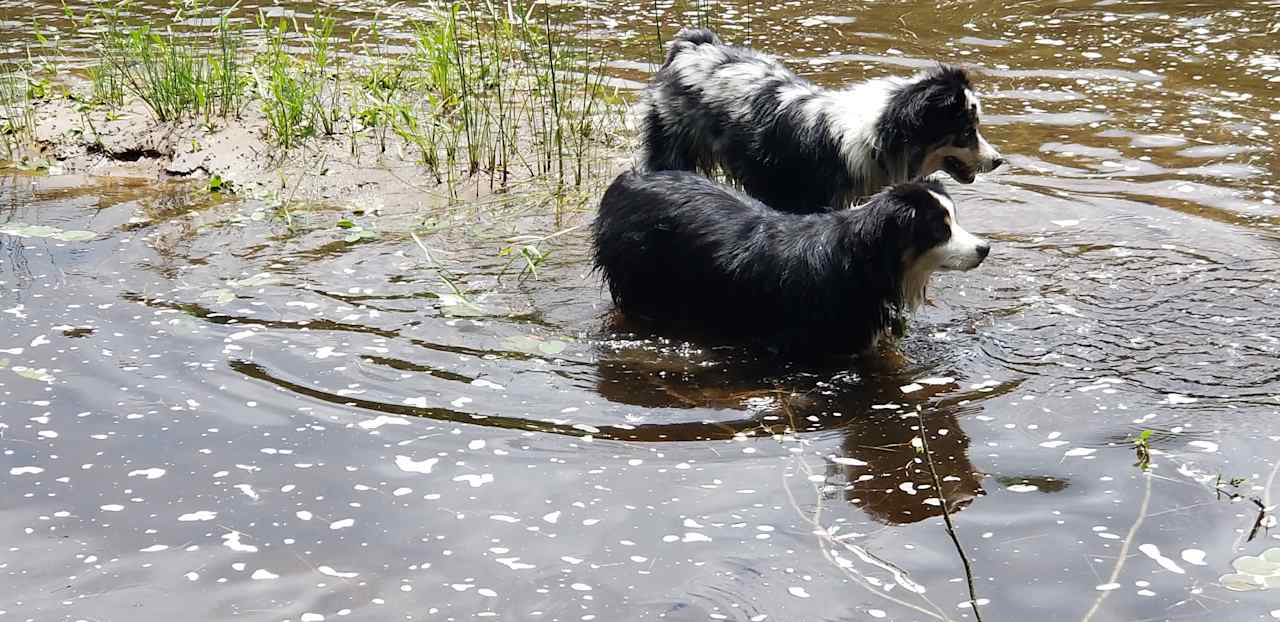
<point>528,248</point>
<point>354,232</point>
<point>533,257</point>
<point>1142,446</point>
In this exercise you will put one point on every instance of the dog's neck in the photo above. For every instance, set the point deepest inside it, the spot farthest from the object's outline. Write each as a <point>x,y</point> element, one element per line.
<point>855,113</point>
<point>915,280</point>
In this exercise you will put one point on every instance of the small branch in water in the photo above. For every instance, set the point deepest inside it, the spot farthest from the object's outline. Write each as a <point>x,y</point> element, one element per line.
<point>1263,503</point>
<point>443,274</point>
<point>1267,502</point>
<point>1257,524</point>
<point>1124,547</point>
<point>946,513</point>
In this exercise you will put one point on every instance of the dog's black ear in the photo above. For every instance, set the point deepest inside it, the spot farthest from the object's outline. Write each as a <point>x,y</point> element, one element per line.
<point>915,208</point>
<point>897,218</point>
<point>925,110</point>
<point>933,185</point>
<point>926,99</point>
<point>951,73</point>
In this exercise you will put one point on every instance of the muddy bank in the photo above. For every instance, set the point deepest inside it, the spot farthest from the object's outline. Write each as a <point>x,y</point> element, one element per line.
<point>360,166</point>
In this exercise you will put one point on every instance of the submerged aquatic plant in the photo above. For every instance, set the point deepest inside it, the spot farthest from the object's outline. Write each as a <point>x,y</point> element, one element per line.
<point>528,248</point>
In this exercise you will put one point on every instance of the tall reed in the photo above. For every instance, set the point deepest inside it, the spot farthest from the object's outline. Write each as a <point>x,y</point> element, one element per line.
<point>503,87</point>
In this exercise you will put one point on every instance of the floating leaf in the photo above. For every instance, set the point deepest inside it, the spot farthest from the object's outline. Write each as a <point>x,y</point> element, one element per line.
<point>458,306</point>
<point>552,347</point>
<point>450,300</point>
<point>530,344</point>
<point>24,230</point>
<point>257,280</point>
<point>41,375</point>
<point>522,343</point>
<point>220,296</point>
<point>75,236</point>
<point>359,234</point>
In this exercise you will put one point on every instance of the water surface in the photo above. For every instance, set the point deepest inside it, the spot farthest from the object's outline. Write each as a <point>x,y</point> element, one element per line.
<point>208,414</point>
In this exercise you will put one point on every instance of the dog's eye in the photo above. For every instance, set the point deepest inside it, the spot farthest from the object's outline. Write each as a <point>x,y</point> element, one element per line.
<point>941,230</point>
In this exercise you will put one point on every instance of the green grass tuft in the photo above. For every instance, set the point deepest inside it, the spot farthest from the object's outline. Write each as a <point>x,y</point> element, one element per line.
<point>17,111</point>
<point>178,74</point>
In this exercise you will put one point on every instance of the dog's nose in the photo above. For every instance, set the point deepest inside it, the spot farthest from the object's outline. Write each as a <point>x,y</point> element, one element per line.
<point>997,163</point>
<point>984,249</point>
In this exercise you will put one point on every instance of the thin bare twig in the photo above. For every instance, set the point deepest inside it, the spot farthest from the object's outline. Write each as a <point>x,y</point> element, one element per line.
<point>1271,482</point>
<point>946,514</point>
<point>1124,547</point>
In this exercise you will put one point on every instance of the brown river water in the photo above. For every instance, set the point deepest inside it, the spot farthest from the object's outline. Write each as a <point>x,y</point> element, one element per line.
<point>206,415</point>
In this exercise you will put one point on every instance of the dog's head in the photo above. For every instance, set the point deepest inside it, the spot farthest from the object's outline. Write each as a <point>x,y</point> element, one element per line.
<point>938,241</point>
<point>937,116</point>
<point>934,239</point>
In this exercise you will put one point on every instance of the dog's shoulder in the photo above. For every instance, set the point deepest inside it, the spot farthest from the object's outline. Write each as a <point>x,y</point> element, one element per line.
<point>697,36</point>
<point>708,46</point>
<point>689,39</point>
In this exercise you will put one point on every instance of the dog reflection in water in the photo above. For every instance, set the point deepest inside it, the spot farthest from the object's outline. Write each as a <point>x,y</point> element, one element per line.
<point>880,470</point>
<point>885,475</point>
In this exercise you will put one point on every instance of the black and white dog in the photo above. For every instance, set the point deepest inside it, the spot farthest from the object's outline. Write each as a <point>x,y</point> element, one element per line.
<point>682,251</point>
<point>797,146</point>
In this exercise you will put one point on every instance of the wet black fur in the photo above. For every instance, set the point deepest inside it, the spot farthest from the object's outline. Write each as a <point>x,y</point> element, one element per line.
<point>781,157</point>
<point>680,251</point>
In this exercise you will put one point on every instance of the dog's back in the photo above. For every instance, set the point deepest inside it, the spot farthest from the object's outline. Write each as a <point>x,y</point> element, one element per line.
<point>718,108</point>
